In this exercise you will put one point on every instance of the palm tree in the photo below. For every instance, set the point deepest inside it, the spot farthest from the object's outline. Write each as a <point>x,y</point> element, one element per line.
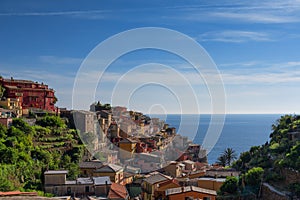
<point>222,160</point>
<point>230,156</point>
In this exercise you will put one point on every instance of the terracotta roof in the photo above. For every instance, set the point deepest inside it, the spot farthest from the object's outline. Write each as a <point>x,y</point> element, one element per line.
<point>16,193</point>
<point>156,178</point>
<point>109,168</point>
<point>201,165</point>
<point>17,80</point>
<point>91,164</point>
<point>222,169</point>
<point>180,190</point>
<point>117,191</point>
<point>127,140</point>
<point>168,182</point>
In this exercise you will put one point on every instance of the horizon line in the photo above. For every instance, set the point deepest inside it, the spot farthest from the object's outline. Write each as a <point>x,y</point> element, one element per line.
<point>220,113</point>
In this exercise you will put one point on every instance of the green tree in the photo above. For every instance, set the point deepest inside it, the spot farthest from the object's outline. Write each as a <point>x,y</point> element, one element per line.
<point>227,157</point>
<point>5,183</point>
<point>26,151</point>
<point>230,155</point>
<point>3,131</point>
<point>41,131</point>
<point>51,121</point>
<point>241,163</point>
<point>254,176</point>
<point>230,186</point>
<point>73,171</point>
<point>222,160</point>
<point>292,158</point>
<point>295,189</point>
<point>8,155</point>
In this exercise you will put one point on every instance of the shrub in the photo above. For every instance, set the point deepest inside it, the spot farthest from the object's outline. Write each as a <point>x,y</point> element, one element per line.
<point>230,186</point>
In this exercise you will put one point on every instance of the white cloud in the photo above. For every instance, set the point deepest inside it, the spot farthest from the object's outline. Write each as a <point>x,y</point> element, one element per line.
<point>270,11</point>
<point>241,64</point>
<point>235,36</point>
<point>266,12</point>
<point>55,13</point>
<point>256,17</point>
<point>55,60</point>
<point>248,75</point>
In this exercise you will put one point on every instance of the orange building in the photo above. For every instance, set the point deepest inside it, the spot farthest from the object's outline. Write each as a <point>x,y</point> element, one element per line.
<point>118,192</point>
<point>174,169</point>
<point>159,193</point>
<point>211,183</point>
<point>151,184</point>
<point>192,192</point>
<point>115,172</point>
<point>127,148</point>
<point>87,168</point>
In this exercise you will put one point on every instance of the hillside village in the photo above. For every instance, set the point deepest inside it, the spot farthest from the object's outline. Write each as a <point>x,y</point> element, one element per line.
<point>110,152</point>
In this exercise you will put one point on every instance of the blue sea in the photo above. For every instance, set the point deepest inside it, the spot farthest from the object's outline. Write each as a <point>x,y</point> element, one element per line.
<point>240,131</point>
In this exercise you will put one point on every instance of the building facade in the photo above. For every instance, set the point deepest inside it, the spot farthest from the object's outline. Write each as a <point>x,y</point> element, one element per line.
<point>56,183</point>
<point>30,94</point>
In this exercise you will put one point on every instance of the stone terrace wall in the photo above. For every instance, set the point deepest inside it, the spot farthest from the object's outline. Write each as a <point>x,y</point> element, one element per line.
<point>291,176</point>
<point>270,193</point>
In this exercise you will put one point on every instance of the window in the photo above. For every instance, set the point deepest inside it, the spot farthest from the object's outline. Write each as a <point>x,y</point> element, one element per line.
<point>206,198</point>
<point>69,190</point>
<point>87,189</point>
<point>55,190</point>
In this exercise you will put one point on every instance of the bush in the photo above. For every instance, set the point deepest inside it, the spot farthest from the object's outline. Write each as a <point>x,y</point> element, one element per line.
<point>254,176</point>
<point>230,186</point>
<point>41,131</point>
<point>51,121</point>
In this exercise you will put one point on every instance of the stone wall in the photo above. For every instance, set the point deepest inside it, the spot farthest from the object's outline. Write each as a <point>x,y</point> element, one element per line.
<point>291,176</point>
<point>270,193</point>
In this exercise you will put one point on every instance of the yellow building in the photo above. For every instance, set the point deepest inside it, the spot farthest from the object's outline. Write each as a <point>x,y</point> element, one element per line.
<point>127,148</point>
<point>151,184</point>
<point>174,169</point>
<point>160,191</point>
<point>115,172</point>
<point>87,168</point>
<point>211,183</point>
<point>12,104</point>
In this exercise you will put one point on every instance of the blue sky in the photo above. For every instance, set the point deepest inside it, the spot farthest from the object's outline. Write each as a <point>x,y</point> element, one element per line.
<point>255,45</point>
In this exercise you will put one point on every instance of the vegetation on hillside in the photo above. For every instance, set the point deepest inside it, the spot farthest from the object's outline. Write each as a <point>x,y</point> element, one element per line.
<point>280,152</point>
<point>27,151</point>
<point>266,163</point>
